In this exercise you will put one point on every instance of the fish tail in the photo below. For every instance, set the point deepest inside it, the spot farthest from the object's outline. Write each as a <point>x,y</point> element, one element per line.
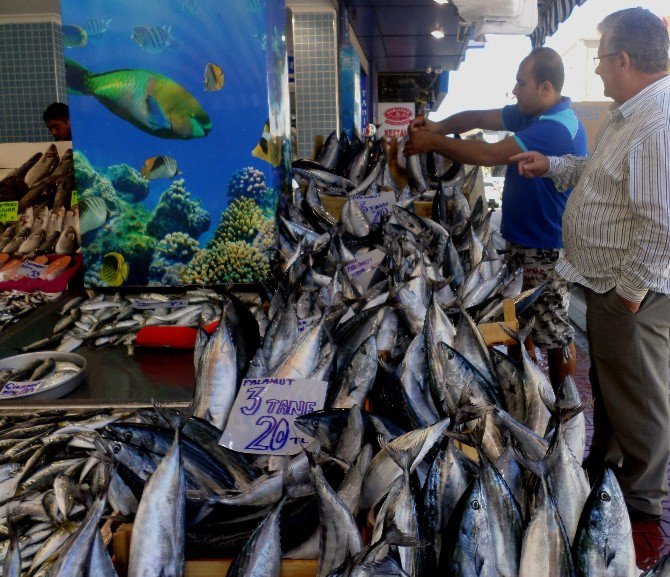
<point>77,77</point>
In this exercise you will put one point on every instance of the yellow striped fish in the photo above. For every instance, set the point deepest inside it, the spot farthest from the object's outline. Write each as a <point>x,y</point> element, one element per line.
<point>114,269</point>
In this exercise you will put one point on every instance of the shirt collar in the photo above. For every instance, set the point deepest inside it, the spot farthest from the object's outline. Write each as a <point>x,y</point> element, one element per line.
<point>562,104</point>
<point>627,108</point>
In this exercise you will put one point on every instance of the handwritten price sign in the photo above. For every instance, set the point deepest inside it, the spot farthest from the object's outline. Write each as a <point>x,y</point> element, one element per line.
<point>374,206</point>
<point>18,389</point>
<point>9,211</point>
<point>261,420</point>
<point>363,267</point>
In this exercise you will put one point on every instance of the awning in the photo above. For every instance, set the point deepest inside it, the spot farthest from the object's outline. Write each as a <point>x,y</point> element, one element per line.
<point>550,14</point>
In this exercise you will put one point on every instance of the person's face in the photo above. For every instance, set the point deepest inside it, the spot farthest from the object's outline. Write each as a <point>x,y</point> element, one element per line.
<point>607,67</point>
<point>526,90</point>
<point>59,128</point>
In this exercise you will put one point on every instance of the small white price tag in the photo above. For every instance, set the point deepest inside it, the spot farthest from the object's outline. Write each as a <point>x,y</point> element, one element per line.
<point>30,269</point>
<point>146,304</point>
<point>17,389</point>
<point>363,267</point>
<point>374,206</point>
<point>261,420</point>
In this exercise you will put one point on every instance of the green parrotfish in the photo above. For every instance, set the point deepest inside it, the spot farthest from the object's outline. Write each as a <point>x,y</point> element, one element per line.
<point>150,101</point>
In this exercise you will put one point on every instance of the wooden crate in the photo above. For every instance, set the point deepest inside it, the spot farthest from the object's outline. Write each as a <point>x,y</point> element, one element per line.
<point>203,567</point>
<point>494,334</point>
<point>333,204</point>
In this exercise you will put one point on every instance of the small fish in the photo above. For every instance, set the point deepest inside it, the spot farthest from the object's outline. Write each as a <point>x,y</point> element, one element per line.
<point>97,26</point>
<point>159,167</point>
<point>154,39</point>
<point>114,269</point>
<point>74,36</point>
<point>214,77</point>
<point>269,147</point>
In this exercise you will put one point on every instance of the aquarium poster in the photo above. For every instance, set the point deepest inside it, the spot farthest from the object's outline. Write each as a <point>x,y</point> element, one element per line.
<point>180,126</point>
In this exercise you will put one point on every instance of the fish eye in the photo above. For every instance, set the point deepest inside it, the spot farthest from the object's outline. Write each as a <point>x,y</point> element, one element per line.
<point>128,436</point>
<point>116,448</point>
<point>315,424</point>
<point>450,355</point>
<point>475,505</point>
<point>604,496</point>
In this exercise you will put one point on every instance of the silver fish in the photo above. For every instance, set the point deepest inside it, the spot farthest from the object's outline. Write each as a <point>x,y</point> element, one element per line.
<point>604,540</point>
<point>157,542</point>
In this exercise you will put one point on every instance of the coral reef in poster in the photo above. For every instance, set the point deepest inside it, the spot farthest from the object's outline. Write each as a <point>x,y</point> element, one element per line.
<point>180,128</point>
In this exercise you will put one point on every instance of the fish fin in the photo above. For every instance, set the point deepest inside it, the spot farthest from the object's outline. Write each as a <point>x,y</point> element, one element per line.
<point>155,115</point>
<point>77,77</point>
<point>609,554</point>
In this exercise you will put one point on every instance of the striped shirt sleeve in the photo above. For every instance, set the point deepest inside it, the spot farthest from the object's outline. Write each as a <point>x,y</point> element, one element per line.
<point>565,171</point>
<point>648,255</point>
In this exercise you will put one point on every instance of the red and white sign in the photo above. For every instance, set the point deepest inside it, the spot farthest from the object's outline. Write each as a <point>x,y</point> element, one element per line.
<point>394,118</point>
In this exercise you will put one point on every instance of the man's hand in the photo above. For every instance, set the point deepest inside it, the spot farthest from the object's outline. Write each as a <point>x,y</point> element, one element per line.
<point>632,306</point>
<point>531,164</point>
<point>419,141</point>
<point>421,123</point>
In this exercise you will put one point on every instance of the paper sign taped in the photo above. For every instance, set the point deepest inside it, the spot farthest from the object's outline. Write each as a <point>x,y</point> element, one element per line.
<point>374,206</point>
<point>9,211</point>
<point>30,269</point>
<point>363,268</point>
<point>262,418</point>
<point>17,389</point>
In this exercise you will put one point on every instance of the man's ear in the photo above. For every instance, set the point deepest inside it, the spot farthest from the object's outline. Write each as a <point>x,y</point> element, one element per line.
<point>546,88</point>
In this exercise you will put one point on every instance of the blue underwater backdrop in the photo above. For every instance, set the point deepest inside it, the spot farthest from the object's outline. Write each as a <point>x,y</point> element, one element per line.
<point>168,101</point>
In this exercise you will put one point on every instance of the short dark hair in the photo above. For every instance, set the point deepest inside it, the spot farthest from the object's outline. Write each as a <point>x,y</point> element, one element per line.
<point>640,34</point>
<point>547,67</point>
<point>57,110</point>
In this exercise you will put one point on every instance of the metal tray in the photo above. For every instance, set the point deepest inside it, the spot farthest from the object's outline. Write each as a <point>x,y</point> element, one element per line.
<point>55,391</point>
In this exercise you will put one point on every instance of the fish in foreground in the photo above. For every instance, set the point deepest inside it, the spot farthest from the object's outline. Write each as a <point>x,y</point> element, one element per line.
<point>150,101</point>
<point>604,541</point>
<point>157,542</point>
<point>216,378</point>
<point>261,555</point>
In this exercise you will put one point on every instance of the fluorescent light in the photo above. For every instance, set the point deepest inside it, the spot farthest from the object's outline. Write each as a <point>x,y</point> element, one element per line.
<point>442,1</point>
<point>437,33</point>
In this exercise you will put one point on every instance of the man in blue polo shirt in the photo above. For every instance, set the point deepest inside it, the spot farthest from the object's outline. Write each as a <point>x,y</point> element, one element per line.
<point>532,210</point>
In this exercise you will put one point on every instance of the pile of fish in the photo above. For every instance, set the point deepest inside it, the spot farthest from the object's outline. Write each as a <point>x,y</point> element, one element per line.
<point>114,320</point>
<point>14,304</point>
<point>46,224</point>
<point>405,345</point>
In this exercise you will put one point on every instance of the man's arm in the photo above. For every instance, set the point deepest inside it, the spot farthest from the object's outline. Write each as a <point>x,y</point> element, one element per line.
<point>648,257</point>
<point>564,171</point>
<point>475,152</point>
<point>461,122</point>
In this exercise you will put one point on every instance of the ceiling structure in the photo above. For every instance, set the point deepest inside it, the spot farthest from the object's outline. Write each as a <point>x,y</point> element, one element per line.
<point>395,34</point>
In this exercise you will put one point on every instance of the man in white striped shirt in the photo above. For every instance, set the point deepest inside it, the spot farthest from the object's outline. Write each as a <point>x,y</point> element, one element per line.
<point>616,233</point>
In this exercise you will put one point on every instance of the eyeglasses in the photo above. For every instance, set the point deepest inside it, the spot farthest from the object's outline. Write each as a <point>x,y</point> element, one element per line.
<point>596,59</point>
